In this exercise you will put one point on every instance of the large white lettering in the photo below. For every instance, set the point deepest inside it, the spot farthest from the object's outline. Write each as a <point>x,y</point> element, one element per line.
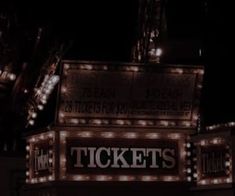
<point>119,157</point>
<point>138,158</point>
<point>98,157</point>
<point>153,152</point>
<point>78,152</point>
<point>106,157</point>
<point>168,157</point>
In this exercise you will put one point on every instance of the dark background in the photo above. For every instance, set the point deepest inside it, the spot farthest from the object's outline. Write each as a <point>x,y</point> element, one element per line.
<point>106,31</point>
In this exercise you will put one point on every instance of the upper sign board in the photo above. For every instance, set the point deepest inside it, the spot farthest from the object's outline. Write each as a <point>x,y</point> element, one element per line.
<point>101,94</point>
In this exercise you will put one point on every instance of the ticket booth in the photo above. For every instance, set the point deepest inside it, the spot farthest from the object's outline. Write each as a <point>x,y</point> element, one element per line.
<point>119,128</point>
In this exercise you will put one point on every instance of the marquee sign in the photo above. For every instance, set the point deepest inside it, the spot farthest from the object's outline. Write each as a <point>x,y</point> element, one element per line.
<point>104,94</point>
<point>213,161</point>
<point>40,158</point>
<point>125,156</point>
<point>41,165</point>
<point>73,155</point>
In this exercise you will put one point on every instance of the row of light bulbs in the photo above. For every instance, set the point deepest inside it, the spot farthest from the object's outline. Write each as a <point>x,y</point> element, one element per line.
<point>41,96</point>
<point>133,68</point>
<point>7,76</point>
<point>161,123</point>
<point>220,126</point>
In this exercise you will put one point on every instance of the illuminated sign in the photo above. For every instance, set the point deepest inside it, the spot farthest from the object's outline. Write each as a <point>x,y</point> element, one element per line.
<point>138,95</point>
<point>133,155</point>
<point>41,164</point>
<point>213,161</point>
<point>106,156</point>
<point>40,158</point>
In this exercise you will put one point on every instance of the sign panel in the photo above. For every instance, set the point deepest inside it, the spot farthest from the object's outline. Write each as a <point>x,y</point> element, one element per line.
<point>40,158</point>
<point>213,161</point>
<point>136,92</point>
<point>123,156</point>
<point>129,154</point>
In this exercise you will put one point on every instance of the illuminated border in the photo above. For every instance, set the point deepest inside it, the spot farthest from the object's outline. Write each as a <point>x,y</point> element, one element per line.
<point>213,180</point>
<point>29,150</point>
<point>181,138</point>
<point>220,126</point>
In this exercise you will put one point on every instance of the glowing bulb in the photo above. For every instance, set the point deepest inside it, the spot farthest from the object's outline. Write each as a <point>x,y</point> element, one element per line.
<point>195,175</point>
<point>12,77</point>
<point>152,135</point>
<point>88,67</point>
<point>107,135</point>
<point>66,66</point>
<point>158,52</point>
<point>101,178</point>
<point>27,147</point>
<point>203,143</point>
<point>31,122</point>
<point>40,107</point>
<point>34,115</point>
<point>231,124</point>
<point>63,89</point>
<point>130,135</point>
<point>146,178</point>
<point>189,170</point>
<point>164,123</point>
<point>189,178</point>
<point>123,178</point>
<point>120,122</point>
<point>55,79</point>
<point>134,68</point>
<point>215,181</point>
<point>50,178</point>
<point>228,180</point>
<point>61,114</point>
<point>79,177</point>
<point>179,71</point>
<point>97,121</point>
<point>203,182</point>
<point>188,145</point>
<point>105,67</point>
<point>142,122</point>
<point>74,121</point>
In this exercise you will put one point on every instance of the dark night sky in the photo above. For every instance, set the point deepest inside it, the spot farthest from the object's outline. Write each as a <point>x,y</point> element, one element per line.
<point>105,30</point>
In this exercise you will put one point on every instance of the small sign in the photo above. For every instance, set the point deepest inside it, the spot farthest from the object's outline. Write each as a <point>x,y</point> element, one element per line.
<point>214,162</point>
<point>40,157</point>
